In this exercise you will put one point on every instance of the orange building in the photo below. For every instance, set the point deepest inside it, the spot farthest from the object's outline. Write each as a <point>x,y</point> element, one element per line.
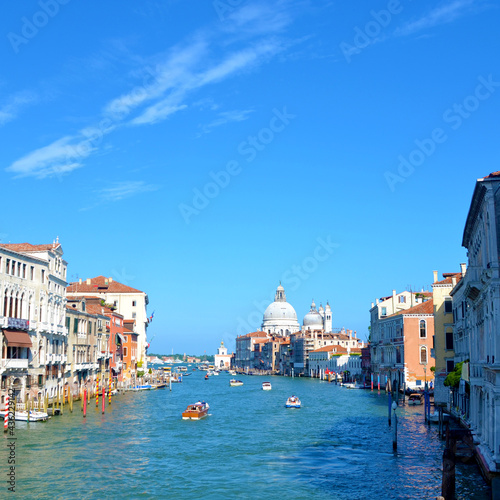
<point>129,350</point>
<point>401,351</point>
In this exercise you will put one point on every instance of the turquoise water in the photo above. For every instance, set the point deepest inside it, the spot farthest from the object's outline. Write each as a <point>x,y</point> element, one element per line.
<point>337,446</point>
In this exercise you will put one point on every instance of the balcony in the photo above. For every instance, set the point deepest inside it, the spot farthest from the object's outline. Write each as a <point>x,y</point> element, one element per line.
<point>15,364</point>
<point>62,330</point>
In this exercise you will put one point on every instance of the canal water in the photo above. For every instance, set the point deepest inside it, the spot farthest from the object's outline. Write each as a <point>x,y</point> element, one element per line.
<point>337,446</point>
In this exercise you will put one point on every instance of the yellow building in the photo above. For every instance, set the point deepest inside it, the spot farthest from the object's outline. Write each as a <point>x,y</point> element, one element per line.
<point>442,351</point>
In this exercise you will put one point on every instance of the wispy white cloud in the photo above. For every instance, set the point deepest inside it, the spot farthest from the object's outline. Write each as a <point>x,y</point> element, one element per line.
<point>165,87</point>
<point>60,157</point>
<point>443,14</point>
<point>235,62</point>
<point>126,189</point>
<point>10,109</point>
<point>225,117</point>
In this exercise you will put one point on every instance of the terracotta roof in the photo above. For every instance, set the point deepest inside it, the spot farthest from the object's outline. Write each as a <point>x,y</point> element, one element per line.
<point>493,174</point>
<point>448,278</point>
<point>424,308</point>
<point>95,309</point>
<point>254,334</point>
<point>100,284</point>
<point>28,247</point>
<point>331,348</point>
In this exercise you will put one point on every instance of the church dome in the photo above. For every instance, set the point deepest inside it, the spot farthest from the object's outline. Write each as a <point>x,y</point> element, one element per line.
<point>280,316</point>
<point>280,310</point>
<point>313,319</point>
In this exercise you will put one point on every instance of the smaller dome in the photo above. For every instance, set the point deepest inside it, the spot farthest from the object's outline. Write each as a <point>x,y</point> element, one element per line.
<point>313,319</point>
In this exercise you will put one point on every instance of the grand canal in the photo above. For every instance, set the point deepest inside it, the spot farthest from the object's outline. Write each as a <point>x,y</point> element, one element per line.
<point>337,446</point>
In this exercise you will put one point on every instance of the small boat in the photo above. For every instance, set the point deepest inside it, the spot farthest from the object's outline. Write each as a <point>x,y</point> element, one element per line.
<point>434,417</point>
<point>235,383</point>
<point>232,372</point>
<point>415,399</point>
<point>292,402</point>
<point>34,416</point>
<point>353,385</point>
<point>266,386</point>
<point>146,387</point>
<point>196,412</point>
<point>215,372</point>
<point>206,376</point>
<point>161,386</point>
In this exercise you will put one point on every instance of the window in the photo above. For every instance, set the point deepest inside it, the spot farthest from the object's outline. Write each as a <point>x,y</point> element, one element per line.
<point>115,303</point>
<point>384,311</point>
<point>32,273</point>
<point>43,276</point>
<point>125,350</point>
<point>133,315</point>
<point>24,271</point>
<point>68,321</point>
<point>75,325</point>
<point>448,305</point>
<point>423,355</point>
<point>402,299</point>
<point>449,339</point>
<point>133,303</point>
<point>423,329</point>
<point>450,365</point>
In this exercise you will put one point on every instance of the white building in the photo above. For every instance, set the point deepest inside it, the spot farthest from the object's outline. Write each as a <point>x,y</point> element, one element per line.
<point>32,318</point>
<point>335,359</point>
<point>222,360</point>
<point>479,313</point>
<point>280,317</point>
<point>129,302</point>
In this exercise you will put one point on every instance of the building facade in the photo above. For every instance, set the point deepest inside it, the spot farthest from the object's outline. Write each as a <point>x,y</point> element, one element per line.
<point>479,314</point>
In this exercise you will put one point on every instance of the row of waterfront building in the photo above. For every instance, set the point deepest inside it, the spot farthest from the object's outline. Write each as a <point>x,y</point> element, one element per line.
<point>58,337</point>
<point>416,339</point>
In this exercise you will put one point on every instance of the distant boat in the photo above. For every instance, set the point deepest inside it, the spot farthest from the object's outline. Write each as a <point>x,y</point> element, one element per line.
<point>232,372</point>
<point>34,416</point>
<point>353,385</point>
<point>196,411</point>
<point>415,399</point>
<point>145,387</point>
<point>206,376</point>
<point>292,402</point>
<point>266,386</point>
<point>235,383</point>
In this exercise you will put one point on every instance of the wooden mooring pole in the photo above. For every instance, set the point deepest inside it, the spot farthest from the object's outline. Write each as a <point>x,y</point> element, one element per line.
<point>449,460</point>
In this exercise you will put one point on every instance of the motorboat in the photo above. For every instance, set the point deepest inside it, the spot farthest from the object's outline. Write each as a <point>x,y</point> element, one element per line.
<point>434,417</point>
<point>232,372</point>
<point>235,383</point>
<point>416,399</point>
<point>206,376</point>
<point>196,411</point>
<point>352,385</point>
<point>215,372</point>
<point>292,402</point>
<point>145,387</point>
<point>266,386</point>
<point>34,416</point>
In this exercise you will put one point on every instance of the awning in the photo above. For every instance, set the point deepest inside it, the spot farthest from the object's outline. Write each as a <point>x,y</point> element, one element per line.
<point>16,338</point>
<point>123,340</point>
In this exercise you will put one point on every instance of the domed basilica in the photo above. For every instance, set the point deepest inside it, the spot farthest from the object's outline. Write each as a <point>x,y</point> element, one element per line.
<point>280,317</point>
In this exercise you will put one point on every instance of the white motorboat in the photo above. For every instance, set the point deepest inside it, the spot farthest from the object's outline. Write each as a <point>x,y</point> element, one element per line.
<point>34,416</point>
<point>292,402</point>
<point>266,386</point>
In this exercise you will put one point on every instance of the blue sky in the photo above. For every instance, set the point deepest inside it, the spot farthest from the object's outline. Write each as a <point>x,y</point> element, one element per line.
<point>203,151</point>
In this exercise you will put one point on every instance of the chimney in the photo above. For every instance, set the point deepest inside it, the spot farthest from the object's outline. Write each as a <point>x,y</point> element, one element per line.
<point>453,280</point>
<point>110,280</point>
<point>372,305</point>
<point>80,281</point>
<point>376,301</point>
<point>394,293</point>
<point>89,282</point>
<point>463,268</point>
<point>435,276</point>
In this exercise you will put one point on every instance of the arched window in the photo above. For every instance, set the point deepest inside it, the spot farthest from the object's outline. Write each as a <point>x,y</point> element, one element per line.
<point>423,329</point>
<point>423,355</point>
